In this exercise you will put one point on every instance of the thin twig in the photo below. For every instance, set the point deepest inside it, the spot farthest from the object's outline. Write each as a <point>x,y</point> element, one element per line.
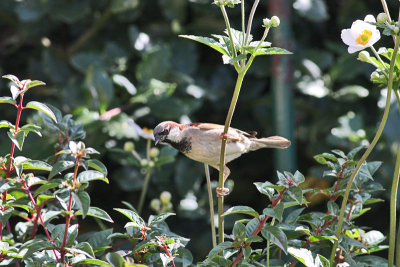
<point>211,203</point>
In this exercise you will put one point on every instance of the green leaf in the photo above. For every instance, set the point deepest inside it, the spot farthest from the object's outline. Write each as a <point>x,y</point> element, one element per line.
<point>95,262</point>
<point>207,41</point>
<point>5,215</point>
<point>276,236</point>
<point>6,124</point>
<point>118,6</point>
<point>220,247</point>
<point>270,51</point>
<point>7,100</point>
<point>41,199</point>
<point>296,193</point>
<point>31,128</point>
<point>35,245</point>
<point>321,238</point>
<point>36,165</point>
<point>97,213</point>
<point>43,108</point>
<point>159,218</point>
<point>242,209</point>
<point>100,239</point>
<point>90,175</point>
<point>133,216</point>
<point>11,78</point>
<point>239,231</point>
<point>47,186</point>
<point>303,255</point>
<point>82,199</point>
<point>60,166</point>
<point>85,246</point>
<point>34,83</point>
<point>115,259</point>
<point>97,165</point>
<point>17,139</point>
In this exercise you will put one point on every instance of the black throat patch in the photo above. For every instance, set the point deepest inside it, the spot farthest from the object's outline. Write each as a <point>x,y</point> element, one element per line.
<point>183,146</point>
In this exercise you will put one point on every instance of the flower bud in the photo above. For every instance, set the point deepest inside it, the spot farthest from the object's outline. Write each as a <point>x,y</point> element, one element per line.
<point>154,152</point>
<point>266,22</point>
<point>363,56</point>
<point>165,197</point>
<point>155,204</point>
<point>129,146</point>
<point>396,29</point>
<point>151,164</point>
<point>144,162</point>
<point>375,75</point>
<point>275,21</point>
<point>382,18</point>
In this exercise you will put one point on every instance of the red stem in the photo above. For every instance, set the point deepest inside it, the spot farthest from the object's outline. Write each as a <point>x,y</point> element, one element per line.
<point>164,246</point>
<point>40,217</point>
<point>68,216</point>
<point>8,171</point>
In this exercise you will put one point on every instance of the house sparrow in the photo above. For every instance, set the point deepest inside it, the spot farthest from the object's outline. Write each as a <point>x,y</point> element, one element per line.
<point>202,142</point>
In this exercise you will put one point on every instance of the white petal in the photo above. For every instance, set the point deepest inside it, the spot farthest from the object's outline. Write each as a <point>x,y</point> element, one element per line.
<point>347,37</point>
<point>355,48</point>
<point>376,35</point>
<point>370,18</point>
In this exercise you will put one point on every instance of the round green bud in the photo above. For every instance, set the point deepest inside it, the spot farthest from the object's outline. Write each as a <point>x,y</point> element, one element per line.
<point>382,18</point>
<point>155,204</point>
<point>144,162</point>
<point>363,56</point>
<point>165,198</point>
<point>375,75</point>
<point>396,29</point>
<point>154,152</point>
<point>129,146</point>
<point>151,164</point>
<point>275,21</point>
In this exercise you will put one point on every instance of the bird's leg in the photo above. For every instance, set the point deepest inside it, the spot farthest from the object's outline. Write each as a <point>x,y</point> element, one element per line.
<point>229,137</point>
<point>221,192</point>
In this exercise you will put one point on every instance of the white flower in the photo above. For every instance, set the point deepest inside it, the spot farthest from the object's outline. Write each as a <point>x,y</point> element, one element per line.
<point>361,34</point>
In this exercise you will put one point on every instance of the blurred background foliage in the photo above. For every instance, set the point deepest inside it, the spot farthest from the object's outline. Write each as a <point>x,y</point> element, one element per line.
<point>119,64</point>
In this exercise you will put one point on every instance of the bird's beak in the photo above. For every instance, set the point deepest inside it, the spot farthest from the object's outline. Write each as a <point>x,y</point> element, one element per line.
<point>157,138</point>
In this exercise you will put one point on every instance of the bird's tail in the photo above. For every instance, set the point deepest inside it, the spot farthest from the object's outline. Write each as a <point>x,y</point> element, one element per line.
<point>269,142</point>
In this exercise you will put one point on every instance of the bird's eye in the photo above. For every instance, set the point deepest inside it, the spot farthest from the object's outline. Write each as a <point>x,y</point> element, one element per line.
<point>165,132</point>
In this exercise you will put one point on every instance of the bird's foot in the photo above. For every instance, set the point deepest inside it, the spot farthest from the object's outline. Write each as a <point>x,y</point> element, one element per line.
<point>222,192</point>
<point>228,137</point>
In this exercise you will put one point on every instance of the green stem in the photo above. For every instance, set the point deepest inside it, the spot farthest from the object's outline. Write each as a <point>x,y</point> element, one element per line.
<point>228,28</point>
<point>398,247</point>
<point>380,60</point>
<point>393,200</point>
<point>146,180</point>
<point>367,152</point>
<point>222,155</point>
<point>251,16</point>
<point>211,202</point>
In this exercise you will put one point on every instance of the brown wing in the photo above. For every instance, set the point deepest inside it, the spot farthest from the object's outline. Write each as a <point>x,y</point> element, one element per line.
<point>212,126</point>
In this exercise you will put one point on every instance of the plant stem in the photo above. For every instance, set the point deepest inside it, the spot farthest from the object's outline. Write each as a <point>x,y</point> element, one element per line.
<point>222,155</point>
<point>211,203</point>
<point>38,213</point>
<point>9,167</point>
<point>146,180</point>
<point>398,247</point>
<point>393,200</point>
<point>251,16</point>
<point>368,151</point>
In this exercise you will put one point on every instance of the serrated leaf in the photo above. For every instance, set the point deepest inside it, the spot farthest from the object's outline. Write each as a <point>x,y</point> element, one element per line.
<point>60,166</point>
<point>43,108</point>
<point>7,100</point>
<point>34,83</point>
<point>276,236</point>
<point>159,218</point>
<point>91,175</point>
<point>97,213</point>
<point>82,199</point>
<point>207,41</point>
<point>242,209</point>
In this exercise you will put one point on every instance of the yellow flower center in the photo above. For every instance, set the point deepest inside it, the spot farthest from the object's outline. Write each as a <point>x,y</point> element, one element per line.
<point>364,37</point>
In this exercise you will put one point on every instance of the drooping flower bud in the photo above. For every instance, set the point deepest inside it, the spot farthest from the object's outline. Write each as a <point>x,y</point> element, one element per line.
<point>363,56</point>
<point>275,21</point>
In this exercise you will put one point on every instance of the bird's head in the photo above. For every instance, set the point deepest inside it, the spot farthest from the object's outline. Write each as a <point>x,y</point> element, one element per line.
<point>168,131</point>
